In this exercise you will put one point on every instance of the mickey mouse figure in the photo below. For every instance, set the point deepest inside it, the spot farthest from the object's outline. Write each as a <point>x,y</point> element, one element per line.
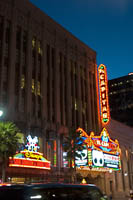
<point>32,143</point>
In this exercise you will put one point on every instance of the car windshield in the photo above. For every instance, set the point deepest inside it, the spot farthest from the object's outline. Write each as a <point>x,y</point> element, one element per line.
<point>63,193</point>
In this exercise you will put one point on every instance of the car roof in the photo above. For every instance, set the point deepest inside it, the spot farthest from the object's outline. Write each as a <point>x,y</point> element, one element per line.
<point>60,185</point>
<point>47,185</point>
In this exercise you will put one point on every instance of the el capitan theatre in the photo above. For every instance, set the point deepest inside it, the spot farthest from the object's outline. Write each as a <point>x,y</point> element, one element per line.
<point>101,154</point>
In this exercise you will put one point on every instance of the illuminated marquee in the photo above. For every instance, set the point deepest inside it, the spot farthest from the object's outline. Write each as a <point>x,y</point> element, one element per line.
<point>29,159</point>
<point>103,152</point>
<point>105,114</point>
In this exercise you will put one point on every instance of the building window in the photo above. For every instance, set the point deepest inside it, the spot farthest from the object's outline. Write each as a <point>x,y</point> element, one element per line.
<point>23,58</point>
<point>24,41</point>
<point>17,76</point>
<point>53,58</point>
<point>22,81</point>
<point>6,54</point>
<point>33,104</point>
<point>39,67</point>
<point>33,86</point>
<point>82,81</point>
<point>73,117</point>
<point>18,38</point>
<point>48,83</point>
<point>38,88</point>
<point>16,103</point>
<point>22,101</point>
<point>33,58</point>
<point>4,99</point>
<point>72,79</point>
<point>39,107</point>
<point>48,55</point>
<point>7,34</point>
<point>17,56</point>
<point>5,87</point>
<point>39,48</point>
<point>33,43</point>
<point>61,86</point>
<point>1,33</point>
<point>53,85</point>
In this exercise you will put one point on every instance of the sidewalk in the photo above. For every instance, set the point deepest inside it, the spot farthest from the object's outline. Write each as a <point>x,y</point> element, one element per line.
<point>121,198</point>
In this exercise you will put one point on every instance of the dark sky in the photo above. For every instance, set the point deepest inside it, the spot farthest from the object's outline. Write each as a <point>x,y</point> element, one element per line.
<point>104,25</point>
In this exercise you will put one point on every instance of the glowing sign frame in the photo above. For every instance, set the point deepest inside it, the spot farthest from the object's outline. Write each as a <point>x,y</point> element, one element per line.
<point>29,159</point>
<point>103,87</point>
<point>103,143</point>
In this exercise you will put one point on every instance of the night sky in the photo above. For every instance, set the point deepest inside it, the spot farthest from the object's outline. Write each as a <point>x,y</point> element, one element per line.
<point>104,25</point>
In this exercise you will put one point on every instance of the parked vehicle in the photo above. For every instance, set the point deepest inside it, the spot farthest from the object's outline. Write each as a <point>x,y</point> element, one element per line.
<point>51,191</point>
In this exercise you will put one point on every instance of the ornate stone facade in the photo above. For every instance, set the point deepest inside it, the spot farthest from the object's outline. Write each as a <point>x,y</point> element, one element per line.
<point>48,77</point>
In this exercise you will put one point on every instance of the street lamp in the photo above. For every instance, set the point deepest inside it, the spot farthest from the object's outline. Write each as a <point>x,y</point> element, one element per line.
<point>1,113</point>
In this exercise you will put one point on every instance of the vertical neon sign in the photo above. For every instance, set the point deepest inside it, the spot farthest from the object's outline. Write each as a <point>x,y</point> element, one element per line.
<point>103,87</point>
<point>55,148</point>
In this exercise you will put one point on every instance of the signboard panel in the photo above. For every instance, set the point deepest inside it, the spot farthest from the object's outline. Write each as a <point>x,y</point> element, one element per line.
<point>103,88</point>
<point>84,159</point>
<point>29,159</point>
<point>101,159</point>
<point>102,151</point>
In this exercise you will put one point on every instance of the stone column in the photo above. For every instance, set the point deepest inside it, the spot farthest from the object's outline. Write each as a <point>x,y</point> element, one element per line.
<point>93,100</point>
<point>29,73</point>
<point>2,60</point>
<point>12,57</point>
<point>44,76</point>
<point>69,97</point>
<point>89,107</point>
<point>57,86</point>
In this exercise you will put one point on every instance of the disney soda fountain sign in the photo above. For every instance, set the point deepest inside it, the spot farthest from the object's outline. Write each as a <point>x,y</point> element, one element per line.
<point>30,157</point>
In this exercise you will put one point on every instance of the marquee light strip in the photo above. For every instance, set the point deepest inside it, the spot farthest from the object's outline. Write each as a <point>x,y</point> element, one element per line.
<point>29,166</point>
<point>28,163</point>
<point>103,87</point>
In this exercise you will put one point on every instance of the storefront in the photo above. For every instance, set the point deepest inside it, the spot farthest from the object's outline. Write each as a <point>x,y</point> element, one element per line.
<point>28,164</point>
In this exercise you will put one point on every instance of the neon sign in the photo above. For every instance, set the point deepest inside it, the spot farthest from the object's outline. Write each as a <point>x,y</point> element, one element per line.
<point>29,159</point>
<point>55,148</point>
<point>105,114</point>
<point>103,152</point>
<point>32,155</point>
<point>32,143</point>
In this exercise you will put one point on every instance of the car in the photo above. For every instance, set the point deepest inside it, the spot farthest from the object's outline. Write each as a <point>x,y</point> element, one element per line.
<point>51,191</point>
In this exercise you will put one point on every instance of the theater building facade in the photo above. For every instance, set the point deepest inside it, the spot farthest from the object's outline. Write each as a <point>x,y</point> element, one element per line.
<point>47,80</point>
<point>48,84</point>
